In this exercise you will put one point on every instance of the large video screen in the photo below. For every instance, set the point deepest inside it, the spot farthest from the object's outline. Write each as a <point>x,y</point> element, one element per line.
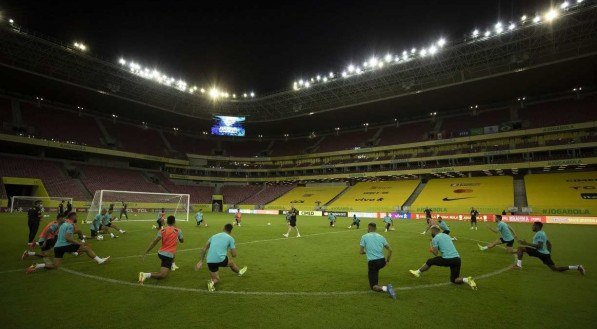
<point>228,126</point>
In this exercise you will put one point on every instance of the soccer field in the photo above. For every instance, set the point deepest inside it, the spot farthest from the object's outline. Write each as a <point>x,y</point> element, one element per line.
<point>316,281</point>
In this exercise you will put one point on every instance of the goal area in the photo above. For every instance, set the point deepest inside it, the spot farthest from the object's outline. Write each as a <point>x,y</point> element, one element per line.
<point>21,203</point>
<point>140,206</point>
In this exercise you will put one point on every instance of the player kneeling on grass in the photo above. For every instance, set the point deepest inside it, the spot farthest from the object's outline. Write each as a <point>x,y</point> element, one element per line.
<point>199,218</point>
<point>65,243</point>
<point>372,244</point>
<point>541,248</point>
<point>355,221</point>
<point>170,237</point>
<point>442,243</point>
<point>507,236</point>
<point>107,224</point>
<point>445,228</point>
<point>216,250</point>
<point>332,219</point>
<point>237,218</point>
<point>47,238</point>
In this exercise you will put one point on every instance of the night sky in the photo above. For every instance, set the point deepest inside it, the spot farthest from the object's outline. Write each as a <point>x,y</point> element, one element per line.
<point>257,46</point>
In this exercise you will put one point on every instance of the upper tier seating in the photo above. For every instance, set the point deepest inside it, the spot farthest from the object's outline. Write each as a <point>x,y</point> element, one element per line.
<point>291,147</point>
<point>136,139</point>
<point>244,148</point>
<point>192,145</point>
<point>560,112</point>
<point>346,141</point>
<point>56,182</point>
<point>464,122</point>
<point>405,133</point>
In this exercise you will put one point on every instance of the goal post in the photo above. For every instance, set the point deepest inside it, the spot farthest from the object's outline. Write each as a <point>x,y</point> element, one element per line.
<point>25,202</point>
<point>141,206</point>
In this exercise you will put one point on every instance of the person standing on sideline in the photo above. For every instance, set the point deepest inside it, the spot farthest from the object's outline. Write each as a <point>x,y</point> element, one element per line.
<point>474,214</point>
<point>292,222</point>
<point>372,244</point>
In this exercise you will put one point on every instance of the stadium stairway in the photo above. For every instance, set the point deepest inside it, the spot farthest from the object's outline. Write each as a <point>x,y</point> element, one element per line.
<point>520,194</point>
<point>337,197</point>
<point>414,195</point>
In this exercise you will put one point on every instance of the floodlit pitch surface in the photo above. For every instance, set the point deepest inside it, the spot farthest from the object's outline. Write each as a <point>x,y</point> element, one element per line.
<point>316,281</point>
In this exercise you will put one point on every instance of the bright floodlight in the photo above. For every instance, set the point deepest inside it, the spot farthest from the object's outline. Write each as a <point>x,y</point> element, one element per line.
<point>325,79</point>
<point>11,21</point>
<point>565,5</point>
<point>537,19</point>
<point>350,68</point>
<point>512,26</point>
<point>373,61</point>
<point>432,50</point>
<point>365,64</point>
<point>301,82</point>
<point>441,42</point>
<point>499,28</point>
<point>414,50</point>
<point>551,15</point>
<point>380,65</point>
<point>388,58</point>
<point>487,33</point>
<point>475,33</point>
<point>358,70</point>
<point>423,52</point>
<point>331,75</point>
<point>318,77</point>
<point>344,74</point>
<point>252,94</point>
<point>214,93</point>
<point>122,61</point>
<point>523,18</point>
<point>245,95</point>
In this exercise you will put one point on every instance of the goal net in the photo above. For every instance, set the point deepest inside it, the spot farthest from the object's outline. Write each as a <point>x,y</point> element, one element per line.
<point>24,203</point>
<point>140,206</point>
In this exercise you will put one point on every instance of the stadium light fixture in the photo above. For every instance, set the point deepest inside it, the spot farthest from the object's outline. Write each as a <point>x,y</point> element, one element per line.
<point>366,124</point>
<point>423,52</point>
<point>373,61</point>
<point>175,129</point>
<point>388,58</point>
<point>11,21</point>
<point>337,128</point>
<point>537,19</point>
<point>365,64</point>
<point>565,5</point>
<point>260,136</point>
<point>512,26</point>
<point>121,61</point>
<point>441,42</point>
<point>344,74</point>
<point>432,50</point>
<point>523,18</point>
<point>307,84</point>
<point>414,50</point>
<point>318,77</point>
<point>487,33</point>
<point>311,113</point>
<point>114,116</point>
<point>499,28</point>
<point>252,95</point>
<point>475,33</point>
<point>351,68</point>
<point>325,79</point>
<point>358,70</point>
<point>331,75</point>
<point>551,15</point>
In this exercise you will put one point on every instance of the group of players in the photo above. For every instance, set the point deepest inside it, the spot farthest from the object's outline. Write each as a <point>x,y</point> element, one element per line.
<point>59,235</point>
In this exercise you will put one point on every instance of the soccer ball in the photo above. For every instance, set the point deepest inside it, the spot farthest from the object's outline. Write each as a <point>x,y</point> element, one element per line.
<point>269,223</point>
<point>100,237</point>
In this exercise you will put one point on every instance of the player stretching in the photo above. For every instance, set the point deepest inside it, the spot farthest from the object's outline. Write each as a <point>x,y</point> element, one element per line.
<point>292,222</point>
<point>372,244</point>
<point>442,243</point>
<point>47,238</point>
<point>355,221</point>
<point>388,222</point>
<point>237,218</point>
<point>124,211</point>
<point>216,249</point>
<point>332,219</point>
<point>474,214</point>
<point>507,236</point>
<point>96,224</point>
<point>199,218</point>
<point>160,220</point>
<point>541,248</point>
<point>429,219</point>
<point>445,228</point>
<point>108,224</point>
<point>170,237</point>
<point>65,243</point>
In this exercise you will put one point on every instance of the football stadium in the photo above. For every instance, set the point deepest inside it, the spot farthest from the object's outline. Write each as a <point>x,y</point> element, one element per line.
<point>314,165</point>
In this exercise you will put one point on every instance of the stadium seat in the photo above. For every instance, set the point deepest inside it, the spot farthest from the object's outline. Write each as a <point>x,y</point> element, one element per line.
<point>268,194</point>
<point>104,178</point>
<point>375,196</point>
<point>306,198</point>
<point>137,139</point>
<point>562,193</point>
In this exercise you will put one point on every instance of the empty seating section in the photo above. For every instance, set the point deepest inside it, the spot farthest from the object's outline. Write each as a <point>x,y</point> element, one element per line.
<point>375,196</point>
<point>306,198</point>
<point>5,114</point>
<point>464,122</point>
<point>291,147</point>
<point>346,141</point>
<point>136,139</point>
<point>61,125</point>
<point>456,195</point>
<point>562,193</point>
<point>559,112</point>
<point>244,148</point>
<point>56,183</point>
<point>269,194</point>
<point>192,145</point>
<point>405,133</point>
<point>197,193</point>
<point>234,194</point>
<point>103,178</point>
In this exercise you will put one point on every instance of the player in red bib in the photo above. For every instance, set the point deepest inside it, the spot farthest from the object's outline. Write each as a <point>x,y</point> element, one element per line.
<point>47,238</point>
<point>170,237</point>
<point>237,218</point>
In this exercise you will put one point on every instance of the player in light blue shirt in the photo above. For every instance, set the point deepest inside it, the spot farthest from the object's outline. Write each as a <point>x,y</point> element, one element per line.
<point>199,218</point>
<point>356,221</point>
<point>216,249</point>
<point>332,219</point>
<point>444,226</point>
<point>441,243</point>
<point>96,223</point>
<point>388,221</point>
<point>507,235</point>
<point>541,248</point>
<point>372,244</point>
<point>108,224</point>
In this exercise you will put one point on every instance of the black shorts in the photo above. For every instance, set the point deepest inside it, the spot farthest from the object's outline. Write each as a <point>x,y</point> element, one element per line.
<point>473,219</point>
<point>447,232</point>
<point>545,258</point>
<point>213,267</point>
<point>108,225</point>
<point>374,267</point>
<point>453,263</point>
<point>292,222</point>
<point>60,251</point>
<point>166,261</point>
<point>49,244</point>
<point>508,243</point>
<point>93,233</point>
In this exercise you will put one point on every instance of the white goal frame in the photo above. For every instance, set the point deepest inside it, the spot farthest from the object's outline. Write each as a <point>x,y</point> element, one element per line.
<point>36,198</point>
<point>101,198</point>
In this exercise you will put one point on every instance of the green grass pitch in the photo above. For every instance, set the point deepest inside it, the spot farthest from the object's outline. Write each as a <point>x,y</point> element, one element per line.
<point>316,281</point>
